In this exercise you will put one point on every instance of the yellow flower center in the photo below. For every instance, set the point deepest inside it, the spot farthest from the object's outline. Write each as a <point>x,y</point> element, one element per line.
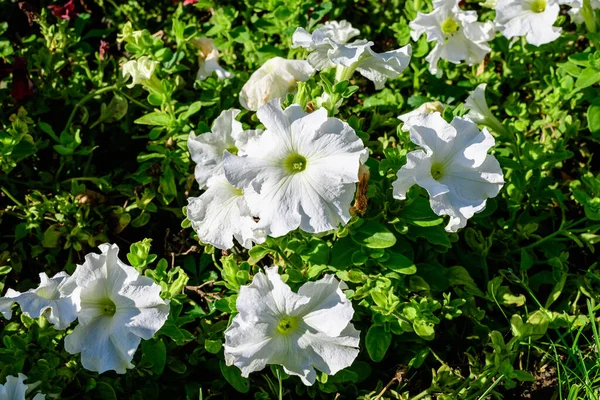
<point>449,26</point>
<point>538,6</point>
<point>295,163</point>
<point>233,150</point>
<point>437,171</point>
<point>287,325</point>
<point>108,307</point>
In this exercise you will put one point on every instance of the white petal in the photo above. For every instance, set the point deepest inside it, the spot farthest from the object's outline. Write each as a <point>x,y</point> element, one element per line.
<point>14,388</point>
<point>381,67</point>
<point>413,117</point>
<point>329,310</point>
<point>105,344</point>
<point>207,149</point>
<point>341,31</point>
<point>7,302</point>
<point>516,18</point>
<point>221,214</point>
<point>273,80</point>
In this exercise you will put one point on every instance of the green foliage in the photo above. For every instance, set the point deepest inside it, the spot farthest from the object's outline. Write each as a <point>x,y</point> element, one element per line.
<point>492,311</point>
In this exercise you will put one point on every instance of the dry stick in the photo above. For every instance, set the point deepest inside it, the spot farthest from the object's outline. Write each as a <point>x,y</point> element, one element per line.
<point>397,377</point>
<point>203,294</point>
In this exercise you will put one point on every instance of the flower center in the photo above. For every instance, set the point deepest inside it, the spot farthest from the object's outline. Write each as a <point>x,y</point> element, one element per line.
<point>233,150</point>
<point>538,6</point>
<point>450,26</point>
<point>295,163</point>
<point>437,171</point>
<point>287,325</point>
<point>108,307</point>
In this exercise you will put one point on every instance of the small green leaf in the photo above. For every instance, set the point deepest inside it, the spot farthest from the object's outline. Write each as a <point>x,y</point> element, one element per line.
<point>154,118</point>
<point>377,341</point>
<point>233,375</point>
<point>374,235</point>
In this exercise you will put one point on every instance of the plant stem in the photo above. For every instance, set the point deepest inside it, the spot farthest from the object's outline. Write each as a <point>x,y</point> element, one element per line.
<point>421,395</point>
<point>280,384</point>
<point>134,101</point>
<point>85,100</point>
<point>10,196</point>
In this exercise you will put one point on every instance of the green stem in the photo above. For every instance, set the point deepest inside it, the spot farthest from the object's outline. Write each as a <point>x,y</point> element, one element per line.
<point>85,100</point>
<point>421,395</point>
<point>10,196</point>
<point>134,101</point>
<point>280,384</point>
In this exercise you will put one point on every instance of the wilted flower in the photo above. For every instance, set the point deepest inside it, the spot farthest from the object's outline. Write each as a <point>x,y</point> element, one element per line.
<point>453,166</point>
<point>141,72</point>
<point>208,60</point>
<point>221,214</point>
<point>22,86</point>
<point>16,389</point>
<point>274,80</point>
<point>458,35</point>
<point>479,111</point>
<point>300,172</point>
<point>415,115</point>
<point>103,49</point>
<point>300,331</point>
<point>530,18</point>
<point>207,149</point>
<point>118,308</point>
<point>329,48</point>
<point>66,11</point>
<point>55,298</point>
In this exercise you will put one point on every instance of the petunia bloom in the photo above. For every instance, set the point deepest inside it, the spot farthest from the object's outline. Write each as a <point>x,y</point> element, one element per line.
<point>273,80</point>
<point>141,72</point>
<point>453,166</point>
<point>208,60</point>
<point>533,19</point>
<point>66,11</point>
<point>415,115</point>
<point>479,111</point>
<point>458,35</point>
<point>55,298</point>
<point>221,214</point>
<point>208,148</point>
<point>16,389</point>
<point>328,48</point>
<point>118,308</point>
<point>301,172</point>
<point>300,331</point>
<point>576,9</point>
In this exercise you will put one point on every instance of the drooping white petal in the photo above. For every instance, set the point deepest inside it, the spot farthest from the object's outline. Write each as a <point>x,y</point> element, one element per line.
<point>221,214</point>
<point>208,60</point>
<point>533,19</point>
<point>50,298</point>
<point>278,326</point>
<point>454,168</point>
<point>118,308</point>
<point>316,196</point>
<point>7,302</point>
<point>273,80</point>
<point>141,71</point>
<point>14,388</point>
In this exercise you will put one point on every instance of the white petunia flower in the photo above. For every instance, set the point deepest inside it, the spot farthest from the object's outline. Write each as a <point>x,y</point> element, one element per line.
<point>327,50</point>
<point>415,115</point>
<point>479,111</point>
<point>576,10</point>
<point>300,331</point>
<point>221,214</point>
<point>208,61</point>
<point>301,172</point>
<point>16,389</point>
<point>207,149</point>
<point>274,80</point>
<point>530,18</point>
<point>55,298</point>
<point>458,35</point>
<point>141,72</point>
<point>118,308</point>
<point>453,166</point>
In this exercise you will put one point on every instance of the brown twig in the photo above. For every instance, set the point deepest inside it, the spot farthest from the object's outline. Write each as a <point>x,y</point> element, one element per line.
<point>397,377</point>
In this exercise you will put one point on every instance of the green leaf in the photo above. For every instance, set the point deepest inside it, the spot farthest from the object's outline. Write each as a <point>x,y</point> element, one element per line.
<point>593,119</point>
<point>212,346</point>
<point>377,341</point>
<point>233,375</point>
<point>588,77</point>
<point>399,263</point>
<point>154,118</point>
<point>156,353</point>
<point>374,235</point>
<point>105,391</point>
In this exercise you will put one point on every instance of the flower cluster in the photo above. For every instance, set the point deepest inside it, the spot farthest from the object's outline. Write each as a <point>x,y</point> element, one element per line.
<point>460,37</point>
<point>114,305</point>
<point>300,172</point>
